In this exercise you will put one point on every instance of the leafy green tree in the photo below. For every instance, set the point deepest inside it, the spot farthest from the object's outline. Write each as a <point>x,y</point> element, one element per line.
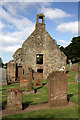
<point>72,51</point>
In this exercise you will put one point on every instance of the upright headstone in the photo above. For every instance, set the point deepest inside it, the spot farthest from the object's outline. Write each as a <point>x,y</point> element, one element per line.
<point>14,99</point>
<point>79,70</point>
<point>57,88</point>
<point>24,81</point>
<point>1,62</point>
<point>29,87</point>
<point>38,77</point>
<point>70,65</point>
<point>77,77</point>
<point>3,80</point>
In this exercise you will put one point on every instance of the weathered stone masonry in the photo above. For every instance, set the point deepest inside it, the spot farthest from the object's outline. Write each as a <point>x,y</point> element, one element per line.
<point>11,70</point>
<point>40,43</point>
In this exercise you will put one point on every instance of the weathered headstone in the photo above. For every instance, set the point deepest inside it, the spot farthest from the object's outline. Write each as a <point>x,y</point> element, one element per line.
<point>14,99</point>
<point>24,81</point>
<point>3,80</point>
<point>57,88</point>
<point>79,71</point>
<point>1,62</point>
<point>29,87</point>
<point>38,77</point>
<point>77,77</point>
<point>70,65</point>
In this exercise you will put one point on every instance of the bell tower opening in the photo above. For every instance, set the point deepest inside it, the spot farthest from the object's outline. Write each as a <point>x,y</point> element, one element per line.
<point>40,21</point>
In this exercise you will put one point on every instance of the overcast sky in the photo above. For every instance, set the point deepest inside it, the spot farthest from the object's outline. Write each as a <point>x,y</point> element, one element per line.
<point>18,19</point>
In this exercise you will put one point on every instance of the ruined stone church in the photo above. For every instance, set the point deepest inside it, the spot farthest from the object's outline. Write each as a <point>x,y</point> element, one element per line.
<point>39,51</point>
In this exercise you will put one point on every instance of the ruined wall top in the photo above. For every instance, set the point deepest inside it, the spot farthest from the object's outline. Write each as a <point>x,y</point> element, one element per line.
<point>11,62</point>
<point>18,51</point>
<point>41,17</point>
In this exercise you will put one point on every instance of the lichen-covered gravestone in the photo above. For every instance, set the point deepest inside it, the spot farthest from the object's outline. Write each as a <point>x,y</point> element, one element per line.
<point>14,99</point>
<point>57,88</point>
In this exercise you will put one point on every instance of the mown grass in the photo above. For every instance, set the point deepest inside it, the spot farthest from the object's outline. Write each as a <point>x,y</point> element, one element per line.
<point>49,113</point>
<point>42,97</point>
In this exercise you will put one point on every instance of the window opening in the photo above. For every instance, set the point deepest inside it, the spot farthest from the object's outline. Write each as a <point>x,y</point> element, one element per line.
<point>39,59</point>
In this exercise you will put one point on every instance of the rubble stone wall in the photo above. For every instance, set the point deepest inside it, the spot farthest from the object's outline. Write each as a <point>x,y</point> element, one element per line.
<point>40,42</point>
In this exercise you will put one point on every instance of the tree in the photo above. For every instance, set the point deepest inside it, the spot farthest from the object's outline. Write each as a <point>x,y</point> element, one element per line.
<point>72,51</point>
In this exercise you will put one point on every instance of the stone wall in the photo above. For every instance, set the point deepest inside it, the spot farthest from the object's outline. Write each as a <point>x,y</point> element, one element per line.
<point>11,70</point>
<point>14,99</point>
<point>57,88</point>
<point>40,42</point>
<point>18,57</point>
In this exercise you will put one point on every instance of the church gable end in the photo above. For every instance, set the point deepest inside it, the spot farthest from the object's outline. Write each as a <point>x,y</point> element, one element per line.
<point>40,47</point>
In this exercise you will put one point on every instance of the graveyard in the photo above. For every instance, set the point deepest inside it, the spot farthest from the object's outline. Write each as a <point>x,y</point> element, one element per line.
<point>38,83</point>
<point>36,105</point>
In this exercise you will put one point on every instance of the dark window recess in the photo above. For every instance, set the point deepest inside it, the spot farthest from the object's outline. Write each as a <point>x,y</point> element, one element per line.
<point>40,70</point>
<point>39,59</point>
<point>23,71</point>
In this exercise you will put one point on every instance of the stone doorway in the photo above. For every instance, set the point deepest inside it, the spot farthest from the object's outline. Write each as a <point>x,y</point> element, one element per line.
<point>40,70</point>
<point>19,72</point>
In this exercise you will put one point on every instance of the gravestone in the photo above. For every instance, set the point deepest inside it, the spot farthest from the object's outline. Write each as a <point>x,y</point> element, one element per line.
<point>24,81</point>
<point>79,71</point>
<point>14,99</point>
<point>1,62</point>
<point>77,77</point>
<point>38,77</point>
<point>70,65</point>
<point>57,88</point>
<point>29,87</point>
<point>3,80</point>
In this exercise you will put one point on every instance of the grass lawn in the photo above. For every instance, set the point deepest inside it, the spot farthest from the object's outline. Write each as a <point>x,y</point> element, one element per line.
<point>42,97</point>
